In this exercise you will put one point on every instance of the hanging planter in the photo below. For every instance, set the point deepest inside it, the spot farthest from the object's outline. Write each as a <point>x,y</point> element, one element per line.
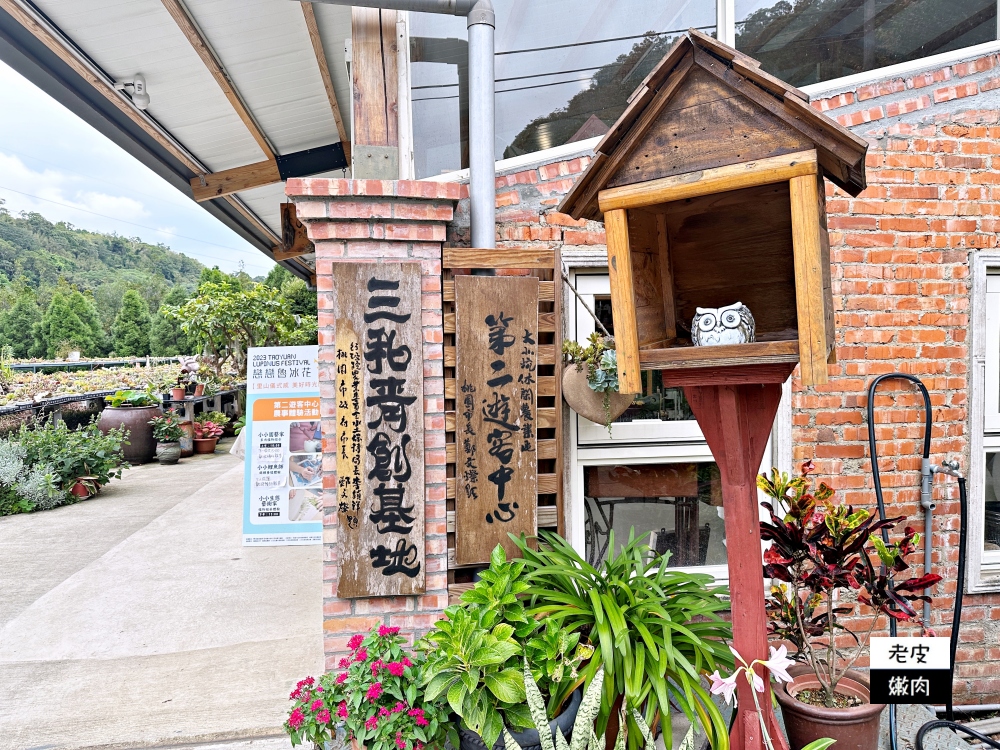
<point>590,380</point>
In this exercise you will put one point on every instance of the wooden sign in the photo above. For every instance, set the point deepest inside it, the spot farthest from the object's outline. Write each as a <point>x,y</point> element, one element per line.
<point>496,483</point>
<point>380,428</point>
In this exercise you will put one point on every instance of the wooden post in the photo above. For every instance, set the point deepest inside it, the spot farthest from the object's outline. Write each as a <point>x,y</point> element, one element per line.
<point>375,127</point>
<point>736,420</point>
<point>623,300</point>
<point>807,247</point>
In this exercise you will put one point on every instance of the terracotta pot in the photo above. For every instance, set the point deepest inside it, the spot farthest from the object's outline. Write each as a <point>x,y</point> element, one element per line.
<point>84,487</point>
<point>199,390</point>
<point>168,453</point>
<point>178,394</point>
<point>587,402</point>
<point>141,446</point>
<point>851,727</point>
<point>205,445</point>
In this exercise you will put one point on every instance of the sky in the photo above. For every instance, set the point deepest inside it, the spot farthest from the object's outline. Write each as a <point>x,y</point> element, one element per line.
<point>54,163</point>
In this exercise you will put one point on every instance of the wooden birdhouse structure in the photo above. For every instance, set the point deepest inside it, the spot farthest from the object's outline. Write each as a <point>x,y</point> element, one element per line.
<point>710,185</point>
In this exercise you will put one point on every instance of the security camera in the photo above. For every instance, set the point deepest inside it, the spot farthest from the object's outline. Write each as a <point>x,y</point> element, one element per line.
<point>138,93</point>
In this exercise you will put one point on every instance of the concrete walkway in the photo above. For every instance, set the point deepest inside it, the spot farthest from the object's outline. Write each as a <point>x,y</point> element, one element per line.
<point>137,619</point>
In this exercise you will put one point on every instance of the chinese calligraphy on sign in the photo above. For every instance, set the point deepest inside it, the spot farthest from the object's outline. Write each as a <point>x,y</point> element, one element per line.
<point>496,341</point>
<point>380,446</point>
<point>910,670</point>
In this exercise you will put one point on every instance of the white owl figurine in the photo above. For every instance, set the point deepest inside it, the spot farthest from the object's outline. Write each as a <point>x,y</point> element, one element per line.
<point>713,326</point>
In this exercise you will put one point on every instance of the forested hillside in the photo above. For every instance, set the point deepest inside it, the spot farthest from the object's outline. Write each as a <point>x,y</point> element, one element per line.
<point>65,289</point>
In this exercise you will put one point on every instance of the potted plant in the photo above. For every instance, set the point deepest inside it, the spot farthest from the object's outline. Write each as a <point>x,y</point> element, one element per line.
<point>168,433</point>
<point>487,638</point>
<point>132,409</point>
<point>206,435</point>
<point>590,380</point>
<point>374,695</point>
<point>649,625</point>
<point>823,552</point>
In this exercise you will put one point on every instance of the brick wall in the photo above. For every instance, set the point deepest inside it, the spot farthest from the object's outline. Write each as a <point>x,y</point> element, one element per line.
<point>372,221</point>
<point>901,255</point>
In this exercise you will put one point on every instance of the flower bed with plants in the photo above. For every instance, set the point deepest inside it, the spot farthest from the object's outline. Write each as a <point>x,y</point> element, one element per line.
<point>48,465</point>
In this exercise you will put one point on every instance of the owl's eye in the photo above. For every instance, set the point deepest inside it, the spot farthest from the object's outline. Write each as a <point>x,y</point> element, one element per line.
<point>730,319</point>
<point>706,322</point>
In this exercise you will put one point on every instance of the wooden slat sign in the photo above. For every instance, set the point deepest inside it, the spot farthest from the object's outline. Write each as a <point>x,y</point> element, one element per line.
<point>380,428</point>
<point>496,342</point>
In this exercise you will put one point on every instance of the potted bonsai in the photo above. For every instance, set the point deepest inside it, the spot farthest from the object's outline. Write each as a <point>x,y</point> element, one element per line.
<point>168,433</point>
<point>206,435</point>
<point>132,410</point>
<point>590,380</point>
<point>822,552</point>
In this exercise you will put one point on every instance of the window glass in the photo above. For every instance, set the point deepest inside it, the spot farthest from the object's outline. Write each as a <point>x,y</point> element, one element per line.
<point>676,506</point>
<point>806,41</point>
<point>991,538</point>
<point>564,71</point>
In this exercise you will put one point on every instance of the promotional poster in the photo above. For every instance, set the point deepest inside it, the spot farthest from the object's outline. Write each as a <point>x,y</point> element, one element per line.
<point>283,490</point>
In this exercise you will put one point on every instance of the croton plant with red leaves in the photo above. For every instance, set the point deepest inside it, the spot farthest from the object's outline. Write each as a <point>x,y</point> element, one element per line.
<point>823,552</point>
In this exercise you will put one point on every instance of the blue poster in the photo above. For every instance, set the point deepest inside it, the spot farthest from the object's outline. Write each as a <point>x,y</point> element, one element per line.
<point>283,480</point>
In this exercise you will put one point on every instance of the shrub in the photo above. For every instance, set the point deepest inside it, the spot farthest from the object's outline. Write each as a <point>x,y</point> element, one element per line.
<point>23,488</point>
<point>130,332</point>
<point>85,452</point>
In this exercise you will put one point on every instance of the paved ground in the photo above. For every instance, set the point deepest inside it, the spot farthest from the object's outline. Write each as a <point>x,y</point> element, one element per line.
<point>137,618</point>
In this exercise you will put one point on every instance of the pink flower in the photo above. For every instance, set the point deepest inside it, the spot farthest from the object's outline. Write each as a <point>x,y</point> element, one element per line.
<point>296,719</point>
<point>344,663</point>
<point>294,695</point>
<point>779,663</point>
<point>383,711</point>
<point>406,662</point>
<point>415,712</point>
<point>371,723</point>
<point>341,678</point>
<point>361,655</point>
<point>723,686</point>
<point>421,721</point>
<point>316,705</point>
<point>376,666</point>
<point>323,717</point>
<point>399,707</point>
<point>374,691</point>
<point>399,741</point>
<point>342,710</point>
<point>355,642</point>
<point>395,668</point>
<point>385,630</point>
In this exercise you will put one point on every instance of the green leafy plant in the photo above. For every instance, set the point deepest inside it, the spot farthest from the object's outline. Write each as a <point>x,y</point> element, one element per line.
<point>84,452</point>
<point>25,488</point>
<point>167,428</point>
<point>215,417</point>
<point>133,398</point>
<point>655,631</point>
<point>207,430</point>
<point>6,371</point>
<point>240,423</point>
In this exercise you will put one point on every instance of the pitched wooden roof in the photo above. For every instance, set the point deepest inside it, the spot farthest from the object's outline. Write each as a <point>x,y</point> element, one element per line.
<point>708,105</point>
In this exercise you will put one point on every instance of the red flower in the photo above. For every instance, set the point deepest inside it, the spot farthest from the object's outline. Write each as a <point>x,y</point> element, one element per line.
<point>383,711</point>
<point>316,705</point>
<point>395,668</point>
<point>296,719</point>
<point>361,655</point>
<point>385,630</point>
<point>371,723</point>
<point>374,691</point>
<point>421,721</point>
<point>399,707</point>
<point>415,712</point>
<point>323,717</point>
<point>341,677</point>
<point>344,663</point>
<point>356,640</point>
<point>376,666</point>
<point>342,710</point>
<point>295,694</point>
<point>399,741</point>
<point>406,662</point>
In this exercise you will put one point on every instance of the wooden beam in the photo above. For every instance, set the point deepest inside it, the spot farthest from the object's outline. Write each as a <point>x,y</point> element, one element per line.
<point>375,127</point>
<point>228,181</point>
<point>295,240</point>
<point>710,181</point>
<point>623,300</point>
<point>324,71</point>
<point>807,249</point>
<point>194,36</point>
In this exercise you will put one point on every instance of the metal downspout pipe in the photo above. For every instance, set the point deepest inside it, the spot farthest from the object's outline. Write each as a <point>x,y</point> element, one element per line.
<point>482,158</point>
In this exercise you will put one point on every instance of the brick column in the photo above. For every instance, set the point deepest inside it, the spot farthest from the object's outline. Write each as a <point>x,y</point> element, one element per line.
<point>371,221</point>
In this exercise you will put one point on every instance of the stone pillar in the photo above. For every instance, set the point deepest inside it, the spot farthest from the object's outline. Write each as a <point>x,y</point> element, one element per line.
<point>370,221</point>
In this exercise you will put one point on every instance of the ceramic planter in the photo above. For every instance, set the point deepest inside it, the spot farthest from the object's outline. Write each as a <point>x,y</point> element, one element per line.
<point>528,739</point>
<point>587,402</point>
<point>84,487</point>
<point>168,453</point>
<point>141,445</point>
<point>851,727</point>
<point>205,445</point>
<point>178,394</point>
<point>199,390</point>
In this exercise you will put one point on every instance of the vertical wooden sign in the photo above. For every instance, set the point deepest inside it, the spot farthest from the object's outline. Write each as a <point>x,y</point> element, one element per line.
<point>380,428</point>
<point>496,483</point>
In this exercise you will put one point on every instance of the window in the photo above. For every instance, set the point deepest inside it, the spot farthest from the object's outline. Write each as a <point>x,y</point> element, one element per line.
<point>564,71</point>
<point>807,41</point>
<point>991,422</point>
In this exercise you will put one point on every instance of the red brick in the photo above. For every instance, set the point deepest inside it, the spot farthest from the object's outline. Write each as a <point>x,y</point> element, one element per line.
<point>882,88</point>
<point>960,91</point>
<point>927,79</point>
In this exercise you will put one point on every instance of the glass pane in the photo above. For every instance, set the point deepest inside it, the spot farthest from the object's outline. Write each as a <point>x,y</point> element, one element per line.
<point>815,40</point>
<point>677,506</point>
<point>991,539</point>
<point>564,71</point>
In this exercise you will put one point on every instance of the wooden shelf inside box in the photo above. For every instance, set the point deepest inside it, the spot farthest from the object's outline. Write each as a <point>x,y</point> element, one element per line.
<point>729,355</point>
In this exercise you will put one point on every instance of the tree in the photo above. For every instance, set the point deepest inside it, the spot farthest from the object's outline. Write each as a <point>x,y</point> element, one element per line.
<point>17,323</point>
<point>130,332</point>
<point>300,299</point>
<point>166,337</point>
<point>62,327</point>
<point>86,311</point>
